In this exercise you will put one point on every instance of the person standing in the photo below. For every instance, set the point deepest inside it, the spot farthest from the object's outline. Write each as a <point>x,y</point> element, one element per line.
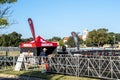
<point>44,65</point>
<point>43,54</point>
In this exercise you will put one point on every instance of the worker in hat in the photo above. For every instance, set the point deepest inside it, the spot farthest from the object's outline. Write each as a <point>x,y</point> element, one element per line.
<point>43,54</point>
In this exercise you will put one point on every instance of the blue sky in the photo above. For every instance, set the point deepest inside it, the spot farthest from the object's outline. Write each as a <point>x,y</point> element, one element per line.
<point>61,17</point>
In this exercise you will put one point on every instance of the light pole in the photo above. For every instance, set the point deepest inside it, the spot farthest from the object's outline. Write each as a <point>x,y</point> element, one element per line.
<point>114,39</point>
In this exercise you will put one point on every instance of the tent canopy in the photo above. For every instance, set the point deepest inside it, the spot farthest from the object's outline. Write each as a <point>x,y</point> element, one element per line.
<point>38,42</point>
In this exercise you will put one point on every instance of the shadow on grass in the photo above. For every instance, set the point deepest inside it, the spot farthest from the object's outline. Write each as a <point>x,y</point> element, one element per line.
<point>51,76</point>
<point>43,76</point>
<point>37,75</point>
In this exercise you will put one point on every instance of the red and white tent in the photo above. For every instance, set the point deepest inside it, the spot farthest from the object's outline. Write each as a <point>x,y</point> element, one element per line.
<point>38,43</point>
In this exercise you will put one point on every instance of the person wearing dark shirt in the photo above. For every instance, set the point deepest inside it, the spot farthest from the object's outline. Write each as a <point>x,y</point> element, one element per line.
<point>43,54</point>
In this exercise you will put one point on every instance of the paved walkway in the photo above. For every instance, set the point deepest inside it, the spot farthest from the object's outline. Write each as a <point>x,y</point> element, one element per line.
<point>2,78</point>
<point>14,77</point>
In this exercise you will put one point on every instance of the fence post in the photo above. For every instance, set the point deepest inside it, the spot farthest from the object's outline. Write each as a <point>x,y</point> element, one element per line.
<point>99,66</point>
<point>88,65</point>
<point>65,66</point>
<point>13,61</point>
<point>111,67</point>
<point>78,66</point>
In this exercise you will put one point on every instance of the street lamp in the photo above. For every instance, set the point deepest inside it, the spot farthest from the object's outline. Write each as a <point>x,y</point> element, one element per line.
<point>114,39</point>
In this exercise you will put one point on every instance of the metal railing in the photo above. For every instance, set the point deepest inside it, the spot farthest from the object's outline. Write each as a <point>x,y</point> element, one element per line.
<point>107,67</point>
<point>92,66</point>
<point>9,49</point>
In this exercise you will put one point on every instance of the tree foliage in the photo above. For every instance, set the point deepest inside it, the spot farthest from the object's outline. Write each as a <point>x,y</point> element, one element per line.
<point>111,38</point>
<point>61,43</point>
<point>3,21</point>
<point>55,39</point>
<point>102,36</point>
<point>12,39</point>
<point>98,37</point>
<point>71,43</point>
<point>7,1</point>
<point>117,37</point>
<point>4,12</point>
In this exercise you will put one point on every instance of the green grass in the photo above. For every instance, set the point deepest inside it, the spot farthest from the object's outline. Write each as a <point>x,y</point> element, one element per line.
<point>47,76</point>
<point>36,73</point>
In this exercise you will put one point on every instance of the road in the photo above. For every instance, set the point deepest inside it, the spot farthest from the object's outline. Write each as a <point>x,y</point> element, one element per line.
<point>13,77</point>
<point>1,78</point>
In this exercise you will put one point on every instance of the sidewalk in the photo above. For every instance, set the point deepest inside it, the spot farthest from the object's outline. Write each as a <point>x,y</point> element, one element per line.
<point>19,77</point>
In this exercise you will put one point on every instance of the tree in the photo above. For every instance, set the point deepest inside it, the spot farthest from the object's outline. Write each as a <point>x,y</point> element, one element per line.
<point>102,36</point>
<point>117,37</point>
<point>71,43</point>
<point>55,39</point>
<point>4,40</point>
<point>26,39</point>
<point>7,1</point>
<point>12,39</point>
<point>61,43</point>
<point>4,12</point>
<point>98,37</point>
<point>111,38</point>
<point>114,38</point>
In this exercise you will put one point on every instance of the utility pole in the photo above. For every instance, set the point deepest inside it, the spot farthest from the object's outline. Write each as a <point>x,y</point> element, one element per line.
<point>114,39</point>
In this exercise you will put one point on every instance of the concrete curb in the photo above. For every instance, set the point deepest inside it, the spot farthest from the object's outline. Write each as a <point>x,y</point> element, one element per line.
<point>19,77</point>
